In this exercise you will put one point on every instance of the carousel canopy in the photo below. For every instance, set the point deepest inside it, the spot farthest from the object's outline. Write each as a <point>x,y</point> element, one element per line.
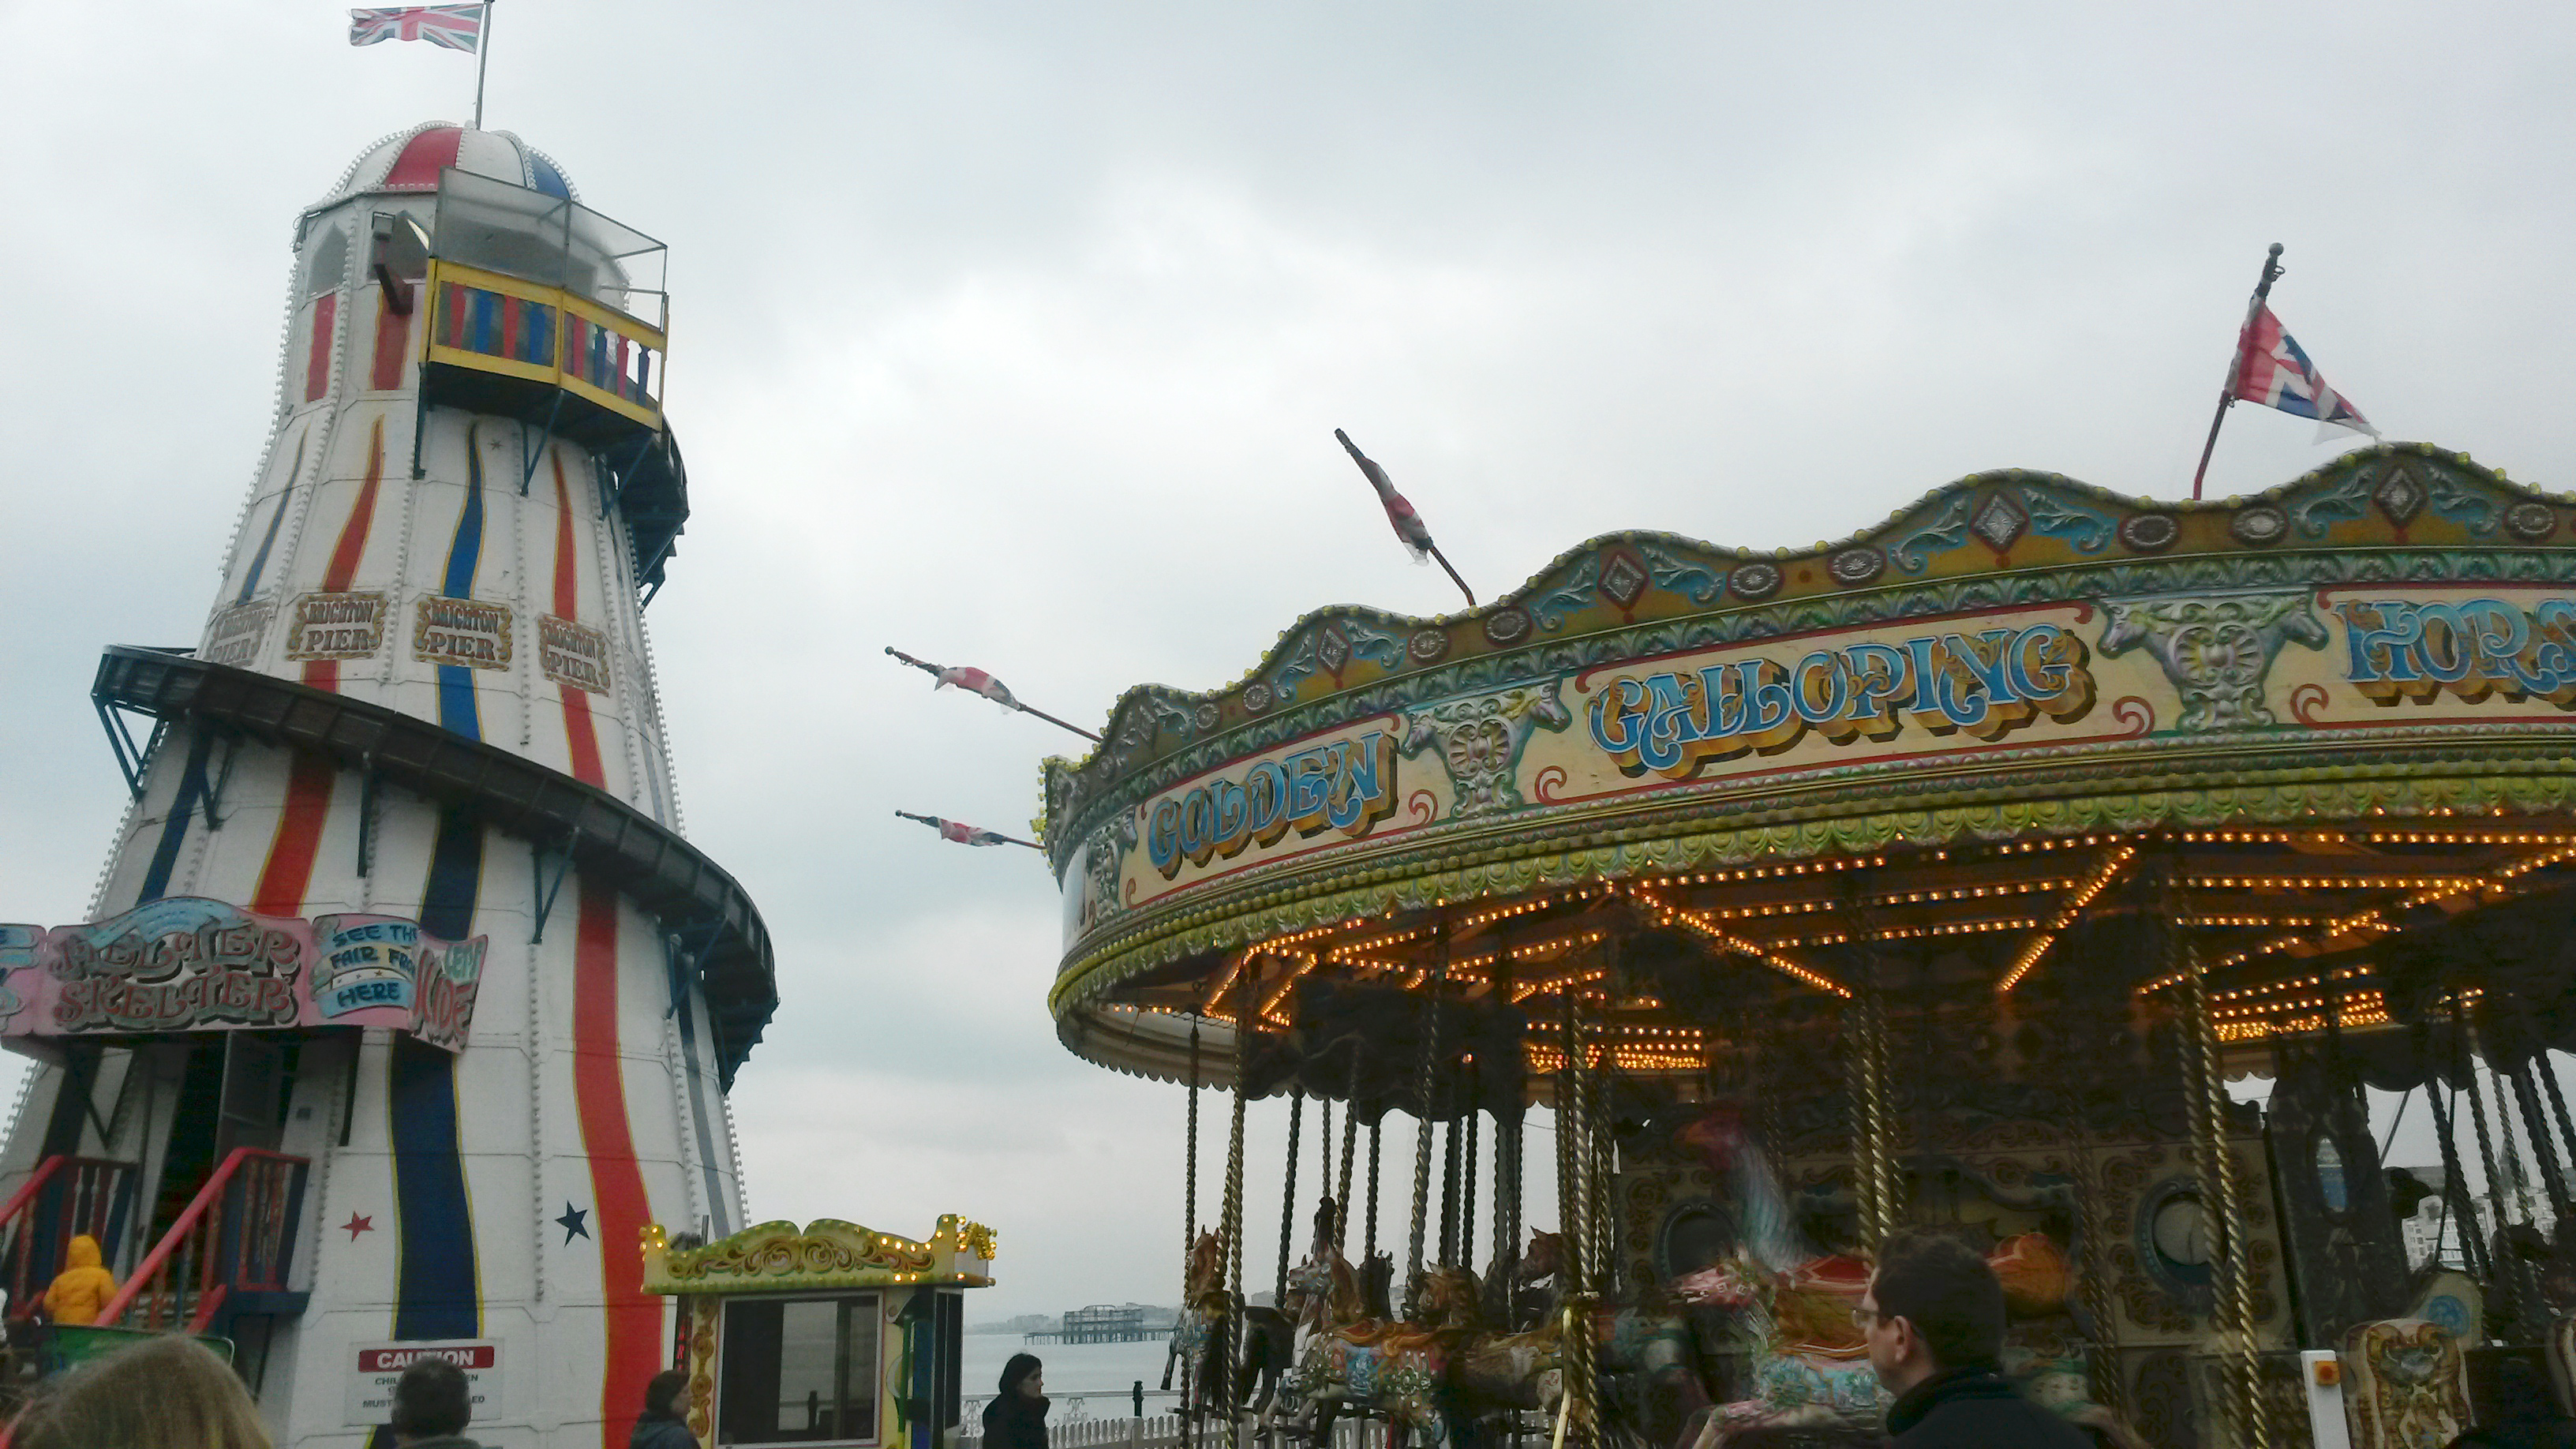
<point>1989,750</point>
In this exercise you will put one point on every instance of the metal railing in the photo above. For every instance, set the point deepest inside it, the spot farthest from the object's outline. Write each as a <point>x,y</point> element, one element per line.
<point>237,1235</point>
<point>67,1196</point>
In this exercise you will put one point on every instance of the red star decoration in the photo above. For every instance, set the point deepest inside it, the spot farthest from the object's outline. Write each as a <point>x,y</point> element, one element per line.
<point>357,1225</point>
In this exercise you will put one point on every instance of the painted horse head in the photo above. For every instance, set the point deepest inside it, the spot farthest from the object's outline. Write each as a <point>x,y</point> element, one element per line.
<point>1204,1282</point>
<point>1544,1260</point>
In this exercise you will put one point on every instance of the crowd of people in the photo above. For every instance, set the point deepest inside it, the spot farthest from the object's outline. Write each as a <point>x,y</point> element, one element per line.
<point>1933,1318</point>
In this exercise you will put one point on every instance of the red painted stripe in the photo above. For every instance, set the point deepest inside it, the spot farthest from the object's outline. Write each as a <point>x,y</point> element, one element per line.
<point>510,325</point>
<point>634,1317</point>
<point>317,357</point>
<point>325,673</point>
<point>423,157</point>
<point>393,339</point>
<point>289,869</point>
<point>599,1084</point>
<point>580,734</point>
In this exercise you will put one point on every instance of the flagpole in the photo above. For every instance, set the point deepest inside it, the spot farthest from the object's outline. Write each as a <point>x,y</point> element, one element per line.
<point>2236,368</point>
<point>483,62</point>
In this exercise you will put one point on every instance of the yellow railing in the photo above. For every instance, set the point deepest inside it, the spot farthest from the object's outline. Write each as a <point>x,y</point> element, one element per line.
<point>496,323</point>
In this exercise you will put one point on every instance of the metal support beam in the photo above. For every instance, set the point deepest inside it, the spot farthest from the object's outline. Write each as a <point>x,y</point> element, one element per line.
<point>681,960</point>
<point>214,797</point>
<point>609,495</point>
<point>545,436</point>
<point>366,817</point>
<point>130,757</point>
<point>546,893</point>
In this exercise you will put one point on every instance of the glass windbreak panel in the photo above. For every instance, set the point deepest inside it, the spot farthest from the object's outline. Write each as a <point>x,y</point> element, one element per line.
<point>524,233</point>
<point>504,228</point>
<point>798,1371</point>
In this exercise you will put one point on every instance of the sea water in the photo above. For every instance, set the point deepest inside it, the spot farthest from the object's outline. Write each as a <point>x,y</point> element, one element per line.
<point>1084,1380</point>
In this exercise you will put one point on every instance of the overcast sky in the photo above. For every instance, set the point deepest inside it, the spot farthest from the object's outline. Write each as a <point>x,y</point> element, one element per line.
<point>1015,335</point>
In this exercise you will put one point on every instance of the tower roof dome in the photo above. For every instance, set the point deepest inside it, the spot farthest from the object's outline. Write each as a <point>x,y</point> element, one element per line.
<point>411,160</point>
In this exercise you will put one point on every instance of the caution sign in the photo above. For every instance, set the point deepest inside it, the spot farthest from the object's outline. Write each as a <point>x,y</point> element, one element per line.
<point>381,1365</point>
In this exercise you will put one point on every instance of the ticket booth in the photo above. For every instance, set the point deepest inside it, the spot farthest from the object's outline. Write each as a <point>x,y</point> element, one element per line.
<point>835,1335</point>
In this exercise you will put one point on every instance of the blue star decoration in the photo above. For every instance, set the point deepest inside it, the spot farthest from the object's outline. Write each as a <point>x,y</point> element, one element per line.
<point>574,1223</point>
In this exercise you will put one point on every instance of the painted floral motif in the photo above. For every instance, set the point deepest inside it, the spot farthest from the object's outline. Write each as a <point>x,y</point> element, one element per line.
<point>2466,506</point>
<point>1330,647</point>
<point>1944,533</point>
<point>2216,651</point>
<point>2088,530</point>
<point>1694,581</point>
<point>1479,741</point>
<point>2336,505</point>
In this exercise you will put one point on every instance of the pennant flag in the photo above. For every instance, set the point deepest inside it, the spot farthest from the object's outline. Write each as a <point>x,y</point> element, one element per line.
<point>965,834</point>
<point>2271,370</point>
<point>976,681</point>
<point>1408,524</point>
<point>457,27</point>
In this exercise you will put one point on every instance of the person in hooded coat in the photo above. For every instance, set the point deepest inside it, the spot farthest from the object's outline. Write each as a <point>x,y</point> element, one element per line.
<point>83,1287</point>
<point>662,1425</point>
<point>1016,1419</point>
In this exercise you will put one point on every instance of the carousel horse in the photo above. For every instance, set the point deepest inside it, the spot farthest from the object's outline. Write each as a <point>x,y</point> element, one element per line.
<point>1199,1333</point>
<point>1518,1288</point>
<point>1351,1363</point>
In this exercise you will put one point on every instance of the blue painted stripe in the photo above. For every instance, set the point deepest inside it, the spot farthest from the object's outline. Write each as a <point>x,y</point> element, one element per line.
<point>487,323</point>
<point>544,177</point>
<point>438,1290</point>
<point>286,495</point>
<point>457,711</point>
<point>183,808</point>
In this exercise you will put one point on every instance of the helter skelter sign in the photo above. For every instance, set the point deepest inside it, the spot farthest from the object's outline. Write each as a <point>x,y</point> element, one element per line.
<point>187,963</point>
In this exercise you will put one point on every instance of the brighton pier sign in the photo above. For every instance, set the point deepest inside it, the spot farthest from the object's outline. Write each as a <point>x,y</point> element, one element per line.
<point>186,963</point>
<point>2256,668</point>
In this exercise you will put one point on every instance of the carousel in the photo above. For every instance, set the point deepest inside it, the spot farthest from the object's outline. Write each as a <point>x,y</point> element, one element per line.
<point>1944,877</point>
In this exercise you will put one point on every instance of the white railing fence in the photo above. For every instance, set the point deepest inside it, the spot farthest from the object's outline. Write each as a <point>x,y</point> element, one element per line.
<point>1167,1431</point>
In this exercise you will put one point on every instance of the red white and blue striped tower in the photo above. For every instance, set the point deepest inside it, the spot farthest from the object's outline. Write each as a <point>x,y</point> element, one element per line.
<point>424,691</point>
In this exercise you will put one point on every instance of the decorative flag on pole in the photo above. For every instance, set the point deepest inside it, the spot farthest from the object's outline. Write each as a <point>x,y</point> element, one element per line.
<point>976,681</point>
<point>457,27</point>
<point>2272,370</point>
<point>1408,525</point>
<point>2269,368</point>
<point>965,834</point>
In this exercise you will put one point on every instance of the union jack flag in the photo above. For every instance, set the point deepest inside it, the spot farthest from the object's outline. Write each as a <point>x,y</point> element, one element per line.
<point>978,682</point>
<point>2271,370</point>
<point>1408,525</point>
<point>457,27</point>
<point>965,834</point>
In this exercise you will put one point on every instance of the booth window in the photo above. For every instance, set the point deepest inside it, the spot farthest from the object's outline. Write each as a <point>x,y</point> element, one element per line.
<point>799,1371</point>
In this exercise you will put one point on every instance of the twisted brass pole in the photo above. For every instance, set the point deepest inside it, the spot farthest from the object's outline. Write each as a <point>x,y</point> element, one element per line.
<point>2243,1416</point>
<point>1575,1342</point>
<point>1225,1392</point>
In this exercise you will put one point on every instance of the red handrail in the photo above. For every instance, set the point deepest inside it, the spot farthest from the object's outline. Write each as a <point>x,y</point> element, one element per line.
<point>66,1171</point>
<point>207,1197</point>
<point>18,1200</point>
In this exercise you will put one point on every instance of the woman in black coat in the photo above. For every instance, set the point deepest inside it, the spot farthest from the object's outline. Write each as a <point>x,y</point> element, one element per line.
<point>1016,1419</point>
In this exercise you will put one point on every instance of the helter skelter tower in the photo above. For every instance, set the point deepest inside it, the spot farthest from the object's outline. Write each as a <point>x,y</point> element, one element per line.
<point>403,1005</point>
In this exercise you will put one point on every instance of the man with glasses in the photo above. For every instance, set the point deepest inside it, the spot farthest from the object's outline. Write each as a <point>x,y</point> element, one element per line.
<point>1933,1318</point>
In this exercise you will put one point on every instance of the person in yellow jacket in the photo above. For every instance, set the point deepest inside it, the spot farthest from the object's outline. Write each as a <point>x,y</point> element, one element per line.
<point>82,1289</point>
